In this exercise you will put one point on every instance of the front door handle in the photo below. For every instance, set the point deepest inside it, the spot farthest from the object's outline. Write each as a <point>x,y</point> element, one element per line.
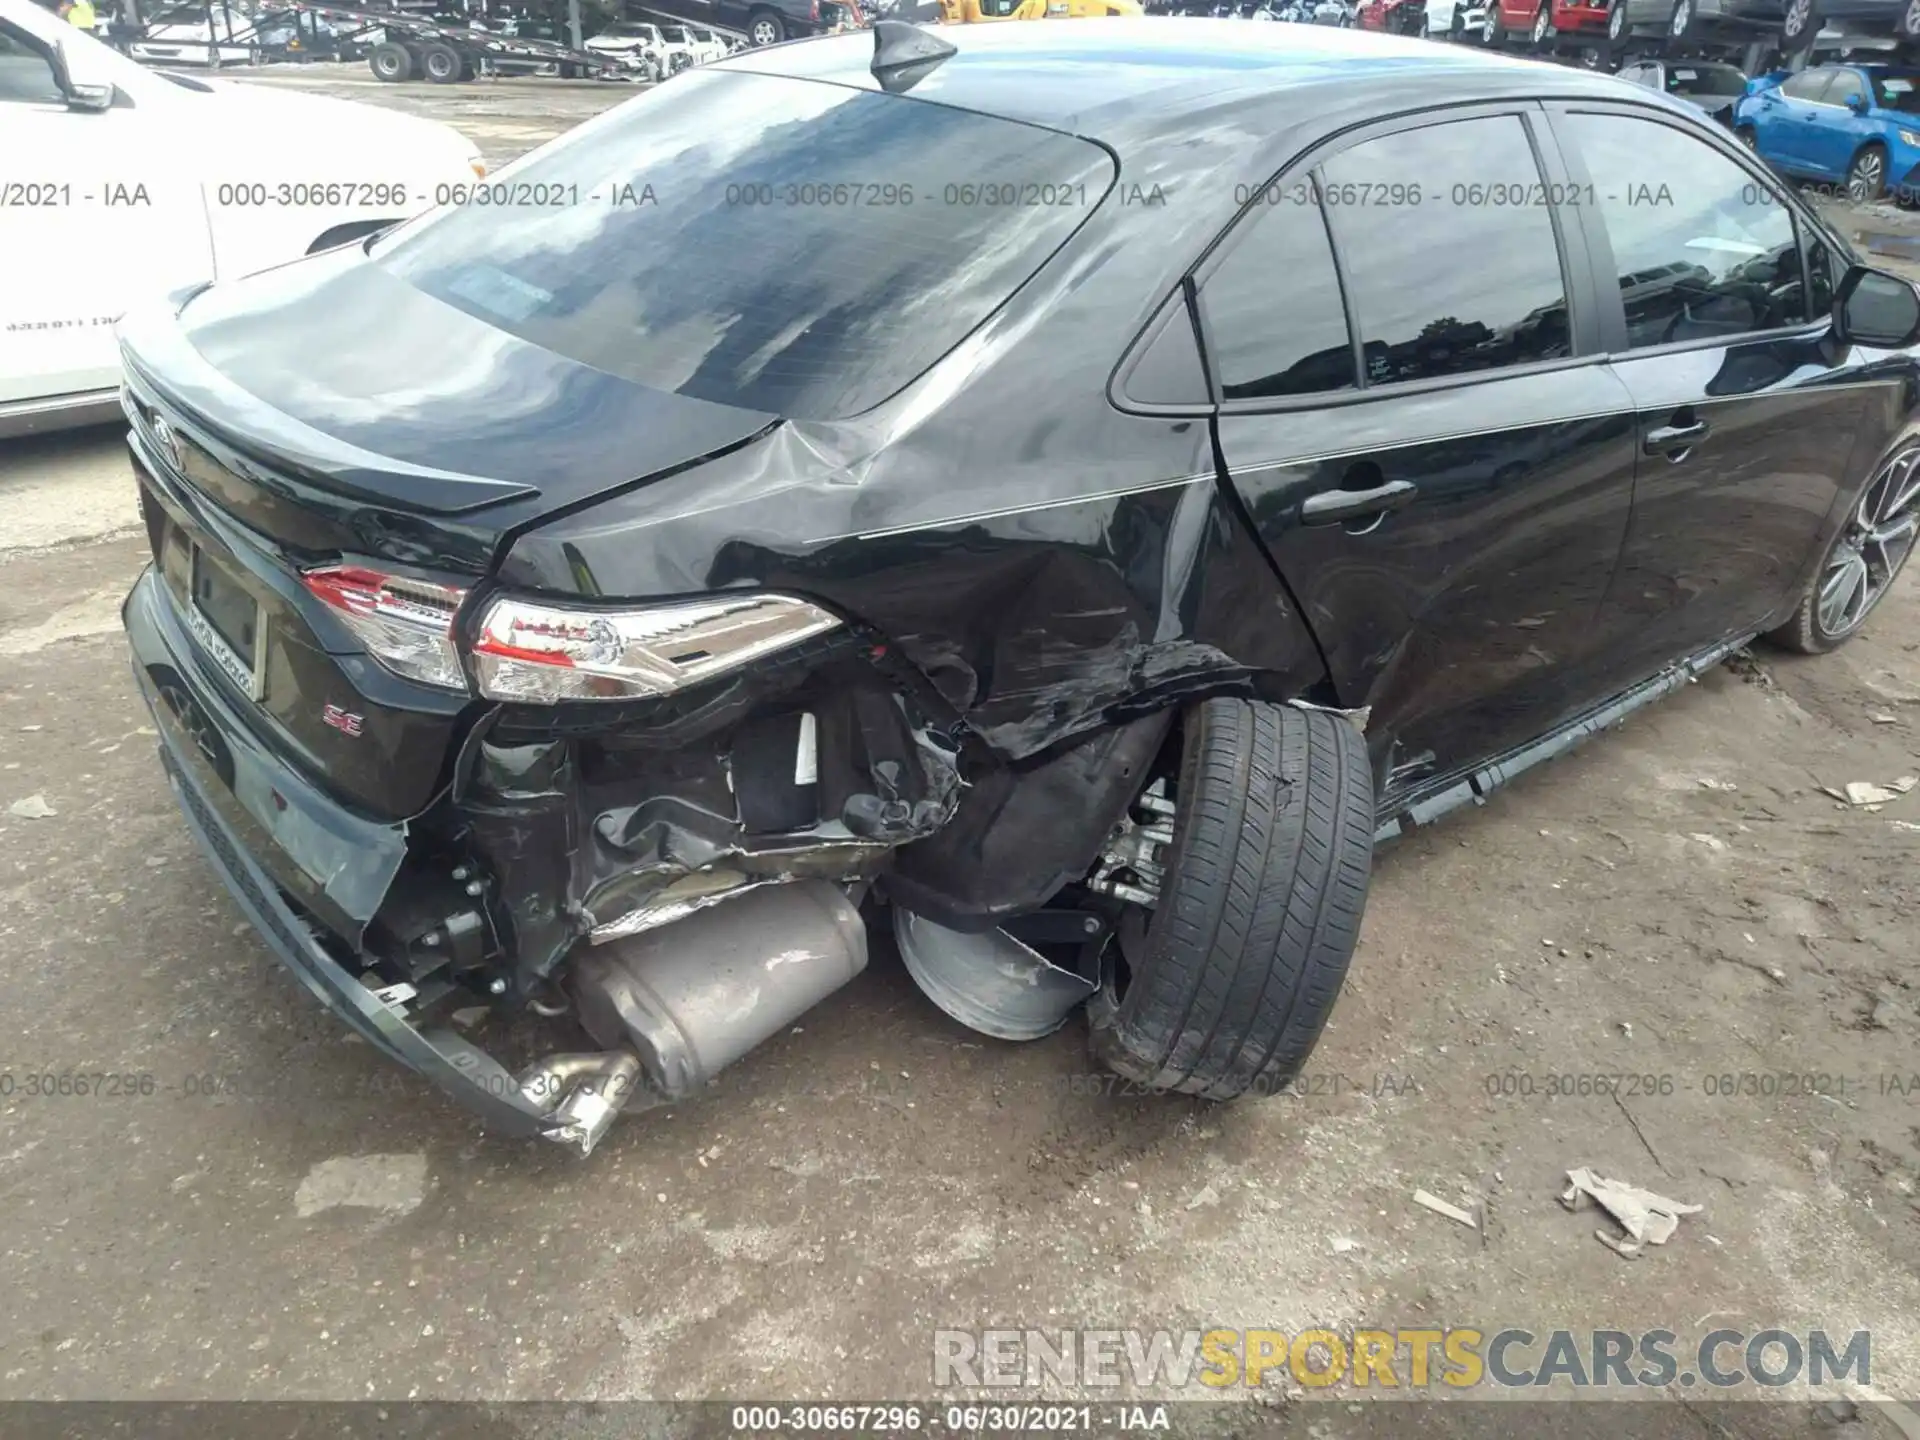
<point>1671,440</point>
<point>1330,507</point>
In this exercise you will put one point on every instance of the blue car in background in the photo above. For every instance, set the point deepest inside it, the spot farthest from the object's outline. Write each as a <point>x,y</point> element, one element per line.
<point>1857,124</point>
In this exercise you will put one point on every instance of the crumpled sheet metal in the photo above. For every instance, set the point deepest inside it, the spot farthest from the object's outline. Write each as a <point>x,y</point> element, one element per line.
<point>1648,1219</point>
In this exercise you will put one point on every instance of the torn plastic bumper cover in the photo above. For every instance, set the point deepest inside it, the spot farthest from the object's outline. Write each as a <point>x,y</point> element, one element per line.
<point>219,778</point>
<point>772,795</point>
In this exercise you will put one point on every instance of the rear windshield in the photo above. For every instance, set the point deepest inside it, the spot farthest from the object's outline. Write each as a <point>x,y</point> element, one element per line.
<point>783,245</point>
<point>1705,80</point>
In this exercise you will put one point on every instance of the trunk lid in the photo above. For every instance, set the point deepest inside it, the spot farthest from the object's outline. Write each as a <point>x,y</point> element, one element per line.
<point>426,441</point>
<point>269,442</point>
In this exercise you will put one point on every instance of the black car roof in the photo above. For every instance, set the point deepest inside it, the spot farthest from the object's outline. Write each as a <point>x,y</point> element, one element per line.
<point>1087,76</point>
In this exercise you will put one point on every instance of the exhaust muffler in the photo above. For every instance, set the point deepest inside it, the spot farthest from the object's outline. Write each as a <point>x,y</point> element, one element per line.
<point>692,997</point>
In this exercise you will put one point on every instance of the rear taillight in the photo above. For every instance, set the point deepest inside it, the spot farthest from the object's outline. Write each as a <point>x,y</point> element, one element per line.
<point>406,624</point>
<point>541,654</point>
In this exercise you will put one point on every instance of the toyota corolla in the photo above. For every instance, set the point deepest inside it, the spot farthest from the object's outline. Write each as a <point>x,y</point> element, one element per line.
<point>1029,486</point>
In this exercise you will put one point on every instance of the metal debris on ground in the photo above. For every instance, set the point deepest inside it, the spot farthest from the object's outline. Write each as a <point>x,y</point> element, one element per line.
<point>1648,1219</point>
<point>34,807</point>
<point>1864,792</point>
<point>1441,1207</point>
<point>1624,1248</point>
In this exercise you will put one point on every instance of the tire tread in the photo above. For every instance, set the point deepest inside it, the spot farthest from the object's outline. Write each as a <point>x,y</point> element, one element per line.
<point>1260,911</point>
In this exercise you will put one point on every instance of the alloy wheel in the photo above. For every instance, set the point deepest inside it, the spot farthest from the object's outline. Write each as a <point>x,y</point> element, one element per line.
<point>1490,23</point>
<point>1866,176</point>
<point>1617,20</point>
<point>1682,17</point>
<point>1541,24</point>
<point>764,33</point>
<point>1799,19</point>
<point>1910,21</point>
<point>1869,554</point>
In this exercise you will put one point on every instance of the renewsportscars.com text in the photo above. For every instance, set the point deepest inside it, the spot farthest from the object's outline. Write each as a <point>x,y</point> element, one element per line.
<point>1461,1357</point>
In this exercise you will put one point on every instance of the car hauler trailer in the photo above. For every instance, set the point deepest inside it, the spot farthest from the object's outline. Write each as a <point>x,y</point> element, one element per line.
<point>406,45</point>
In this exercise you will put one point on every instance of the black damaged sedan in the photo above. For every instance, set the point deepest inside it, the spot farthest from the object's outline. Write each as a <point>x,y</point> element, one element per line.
<point>1059,492</point>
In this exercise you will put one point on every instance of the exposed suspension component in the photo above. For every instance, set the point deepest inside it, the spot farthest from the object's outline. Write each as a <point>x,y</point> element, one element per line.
<point>1133,863</point>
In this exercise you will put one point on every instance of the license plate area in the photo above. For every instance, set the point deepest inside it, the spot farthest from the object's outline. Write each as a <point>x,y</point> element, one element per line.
<point>228,622</point>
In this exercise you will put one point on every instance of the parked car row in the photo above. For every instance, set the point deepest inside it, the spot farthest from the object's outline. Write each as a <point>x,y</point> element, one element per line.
<point>1436,19</point>
<point>1689,24</point>
<point>1851,123</point>
<point>653,52</point>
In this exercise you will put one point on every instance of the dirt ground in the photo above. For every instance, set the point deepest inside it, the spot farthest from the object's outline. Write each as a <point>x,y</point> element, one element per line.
<point>1679,902</point>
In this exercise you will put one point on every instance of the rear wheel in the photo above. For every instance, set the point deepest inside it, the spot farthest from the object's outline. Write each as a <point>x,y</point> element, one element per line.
<point>766,28</point>
<point>390,62</point>
<point>1231,980</point>
<point>1542,25</point>
<point>1617,22</point>
<point>1861,563</point>
<point>1491,31</point>
<point>440,64</point>
<point>1909,21</point>
<point>1681,24</point>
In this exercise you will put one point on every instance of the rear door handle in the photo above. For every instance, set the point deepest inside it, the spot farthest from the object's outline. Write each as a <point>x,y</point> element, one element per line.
<point>1670,440</point>
<point>1330,507</point>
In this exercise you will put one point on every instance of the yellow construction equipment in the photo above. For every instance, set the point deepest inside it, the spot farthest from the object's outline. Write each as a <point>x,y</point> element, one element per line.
<point>973,12</point>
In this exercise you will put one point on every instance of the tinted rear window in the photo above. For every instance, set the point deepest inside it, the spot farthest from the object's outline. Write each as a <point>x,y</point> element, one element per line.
<point>1706,80</point>
<point>787,246</point>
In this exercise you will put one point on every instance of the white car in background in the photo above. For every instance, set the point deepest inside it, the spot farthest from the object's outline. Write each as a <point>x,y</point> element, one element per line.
<point>707,46</point>
<point>679,42</point>
<point>636,44</point>
<point>195,35</point>
<point>120,184</point>
<point>1454,20</point>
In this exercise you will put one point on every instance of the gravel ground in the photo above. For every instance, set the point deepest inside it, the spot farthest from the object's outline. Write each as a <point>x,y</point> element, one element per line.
<point>1678,900</point>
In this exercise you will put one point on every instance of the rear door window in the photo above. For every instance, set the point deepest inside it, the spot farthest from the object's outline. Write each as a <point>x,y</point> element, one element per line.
<point>1273,311</point>
<point>780,245</point>
<point>1449,250</point>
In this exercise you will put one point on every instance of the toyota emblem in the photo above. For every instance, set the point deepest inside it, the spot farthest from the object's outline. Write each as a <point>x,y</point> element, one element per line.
<point>168,442</point>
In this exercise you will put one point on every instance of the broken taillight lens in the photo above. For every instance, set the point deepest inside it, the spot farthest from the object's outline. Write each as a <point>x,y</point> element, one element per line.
<point>406,624</point>
<point>540,654</point>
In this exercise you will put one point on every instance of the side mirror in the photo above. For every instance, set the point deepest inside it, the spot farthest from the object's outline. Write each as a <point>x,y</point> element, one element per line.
<point>1878,309</point>
<point>79,96</point>
<point>1857,103</point>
